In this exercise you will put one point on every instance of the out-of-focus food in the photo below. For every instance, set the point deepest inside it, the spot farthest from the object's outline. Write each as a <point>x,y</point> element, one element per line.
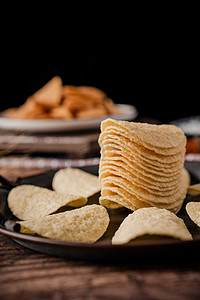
<point>194,189</point>
<point>57,101</point>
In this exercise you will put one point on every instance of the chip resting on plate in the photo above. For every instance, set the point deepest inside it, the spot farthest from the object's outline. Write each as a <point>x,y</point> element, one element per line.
<point>193,210</point>
<point>151,221</point>
<point>76,182</point>
<point>31,202</point>
<point>86,224</point>
<point>142,165</point>
<point>194,189</point>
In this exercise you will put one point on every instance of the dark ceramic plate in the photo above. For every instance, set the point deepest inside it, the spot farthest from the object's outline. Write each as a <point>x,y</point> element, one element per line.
<point>141,249</point>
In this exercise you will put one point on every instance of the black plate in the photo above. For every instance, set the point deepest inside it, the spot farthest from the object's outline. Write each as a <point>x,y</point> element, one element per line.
<point>142,249</point>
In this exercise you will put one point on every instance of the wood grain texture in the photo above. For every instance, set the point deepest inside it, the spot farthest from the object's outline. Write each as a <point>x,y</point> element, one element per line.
<point>25,274</point>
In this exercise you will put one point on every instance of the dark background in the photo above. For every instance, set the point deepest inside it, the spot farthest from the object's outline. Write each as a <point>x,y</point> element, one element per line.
<point>161,83</point>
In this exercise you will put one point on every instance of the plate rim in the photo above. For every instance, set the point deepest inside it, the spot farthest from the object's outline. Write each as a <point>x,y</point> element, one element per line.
<point>98,245</point>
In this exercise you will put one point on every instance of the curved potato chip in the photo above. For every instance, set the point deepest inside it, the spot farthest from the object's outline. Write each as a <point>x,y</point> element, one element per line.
<point>193,210</point>
<point>86,224</point>
<point>50,94</point>
<point>160,138</point>
<point>76,182</point>
<point>148,194</point>
<point>142,154</point>
<point>31,202</point>
<point>109,169</point>
<point>194,189</point>
<point>151,221</point>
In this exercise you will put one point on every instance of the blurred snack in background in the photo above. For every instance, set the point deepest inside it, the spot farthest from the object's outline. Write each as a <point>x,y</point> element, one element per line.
<point>191,128</point>
<point>193,145</point>
<point>57,101</point>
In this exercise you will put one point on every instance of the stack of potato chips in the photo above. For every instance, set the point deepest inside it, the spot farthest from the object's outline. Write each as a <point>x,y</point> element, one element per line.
<point>142,165</point>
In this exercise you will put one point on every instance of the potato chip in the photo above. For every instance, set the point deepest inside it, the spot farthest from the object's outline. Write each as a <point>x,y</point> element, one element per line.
<point>94,93</point>
<point>160,138</point>
<point>134,198</point>
<point>29,110</point>
<point>141,165</point>
<point>194,189</point>
<point>151,221</point>
<point>76,182</point>
<point>50,94</point>
<point>116,142</point>
<point>92,113</point>
<point>55,101</point>
<point>60,112</point>
<point>117,168</point>
<point>138,169</point>
<point>85,225</point>
<point>193,210</point>
<point>122,139</point>
<point>31,202</point>
<point>121,197</point>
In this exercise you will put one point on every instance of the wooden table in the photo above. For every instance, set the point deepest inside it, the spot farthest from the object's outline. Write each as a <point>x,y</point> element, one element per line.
<point>26,274</point>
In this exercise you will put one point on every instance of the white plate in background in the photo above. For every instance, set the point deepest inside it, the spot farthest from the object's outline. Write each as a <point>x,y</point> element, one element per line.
<point>126,113</point>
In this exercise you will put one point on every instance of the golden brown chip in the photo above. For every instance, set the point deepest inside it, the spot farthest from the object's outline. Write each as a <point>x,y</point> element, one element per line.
<point>92,113</point>
<point>60,112</point>
<point>110,106</point>
<point>29,110</point>
<point>50,94</point>
<point>94,94</point>
<point>55,101</point>
<point>194,189</point>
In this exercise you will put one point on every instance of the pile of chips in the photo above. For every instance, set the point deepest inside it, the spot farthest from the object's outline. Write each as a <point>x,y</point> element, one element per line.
<point>57,101</point>
<point>141,165</point>
<point>65,214</point>
<point>59,215</point>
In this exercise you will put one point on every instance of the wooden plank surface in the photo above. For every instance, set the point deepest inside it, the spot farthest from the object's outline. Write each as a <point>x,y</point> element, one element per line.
<point>26,274</point>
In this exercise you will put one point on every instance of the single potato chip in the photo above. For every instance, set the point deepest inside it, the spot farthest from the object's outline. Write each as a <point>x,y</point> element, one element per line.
<point>194,189</point>
<point>76,182</point>
<point>31,202</point>
<point>86,224</point>
<point>193,210</point>
<point>151,221</point>
<point>92,113</point>
<point>50,94</point>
